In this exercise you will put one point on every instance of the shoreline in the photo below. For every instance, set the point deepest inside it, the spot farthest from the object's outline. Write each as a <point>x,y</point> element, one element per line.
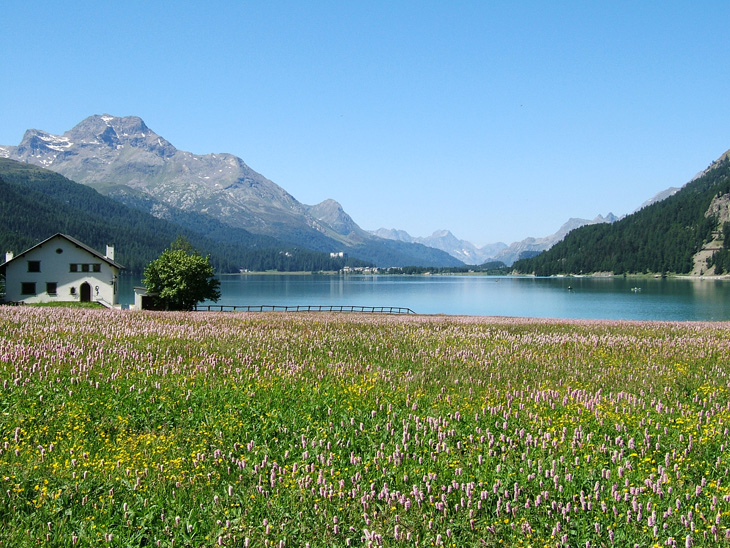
<point>598,275</point>
<point>278,273</point>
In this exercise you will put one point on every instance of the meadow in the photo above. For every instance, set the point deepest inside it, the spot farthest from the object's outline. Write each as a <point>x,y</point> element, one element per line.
<point>123,428</point>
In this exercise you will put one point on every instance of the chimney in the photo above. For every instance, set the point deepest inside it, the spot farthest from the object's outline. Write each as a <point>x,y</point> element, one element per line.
<point>110,252</point>
<point>9,256</point>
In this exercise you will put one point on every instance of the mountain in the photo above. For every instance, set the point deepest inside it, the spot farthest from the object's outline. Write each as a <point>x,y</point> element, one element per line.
<point>36,203</point>
<point>126,160</point>
<point>679,234</point>
<point>663,195</point>
<point>331,214</point>
<point>444,240</point>
<point>533,246</point>
<point>468,253</point>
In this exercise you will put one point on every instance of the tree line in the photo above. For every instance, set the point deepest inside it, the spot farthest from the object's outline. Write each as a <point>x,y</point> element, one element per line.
<point>495,268</point>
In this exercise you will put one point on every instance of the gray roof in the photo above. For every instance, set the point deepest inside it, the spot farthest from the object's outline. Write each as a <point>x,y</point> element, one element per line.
<point>73,241</point>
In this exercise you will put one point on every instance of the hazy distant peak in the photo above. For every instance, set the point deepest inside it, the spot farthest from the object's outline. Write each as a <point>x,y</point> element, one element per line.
<point>327,210</point>
<point>448,241</point>
<point>329,203</point>
<point>393,234</point>
<point>658,197</point>
<point>445,240</point>
<point>609,218</point>
<point>330,213</point>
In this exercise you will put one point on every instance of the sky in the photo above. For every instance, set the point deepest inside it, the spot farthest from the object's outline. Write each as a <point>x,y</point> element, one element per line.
<point>496,120</point>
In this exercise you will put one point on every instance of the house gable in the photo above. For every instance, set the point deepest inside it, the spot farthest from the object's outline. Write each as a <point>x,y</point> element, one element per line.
<point>61,269</point>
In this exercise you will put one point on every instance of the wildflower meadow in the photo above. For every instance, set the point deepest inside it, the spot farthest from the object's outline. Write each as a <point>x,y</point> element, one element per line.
<point>128,428</point>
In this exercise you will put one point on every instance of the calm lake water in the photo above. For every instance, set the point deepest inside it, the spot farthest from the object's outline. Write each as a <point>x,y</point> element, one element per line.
<point>579,298</point>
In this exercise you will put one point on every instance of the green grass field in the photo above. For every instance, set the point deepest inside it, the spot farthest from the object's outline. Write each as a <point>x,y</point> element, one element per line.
<point>123,428</point>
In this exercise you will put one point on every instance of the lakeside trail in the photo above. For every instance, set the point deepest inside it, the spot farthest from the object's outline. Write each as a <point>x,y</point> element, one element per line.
<point>124,428</point>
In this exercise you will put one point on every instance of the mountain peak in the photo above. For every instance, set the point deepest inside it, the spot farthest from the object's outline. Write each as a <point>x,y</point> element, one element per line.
<point>330,212</point>
<point>98,123</point>
<point>115,132</point>
<point>442,233</point>
<point>329,203</point>
<point>609,218</point>
<point>36,142</point>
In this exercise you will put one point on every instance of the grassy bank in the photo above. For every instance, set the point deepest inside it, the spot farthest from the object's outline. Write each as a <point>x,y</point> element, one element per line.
<point>123,428</point>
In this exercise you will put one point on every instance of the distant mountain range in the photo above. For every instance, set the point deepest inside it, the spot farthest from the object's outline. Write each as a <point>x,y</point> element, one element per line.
<point>468,253</point>
<point>124,159</point>
<point>444,240</point>
<point>686,232</point>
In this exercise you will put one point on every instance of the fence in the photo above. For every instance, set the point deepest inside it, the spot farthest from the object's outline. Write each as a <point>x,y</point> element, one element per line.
<point>304,308</point>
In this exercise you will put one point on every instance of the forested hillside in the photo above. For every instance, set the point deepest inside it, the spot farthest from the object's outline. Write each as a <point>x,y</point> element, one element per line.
<point>37,203</point>
<point>661,238</point>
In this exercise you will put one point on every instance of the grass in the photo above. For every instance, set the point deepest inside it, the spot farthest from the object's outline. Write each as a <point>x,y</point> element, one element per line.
<point>65,304</point>
<point>123,428</point>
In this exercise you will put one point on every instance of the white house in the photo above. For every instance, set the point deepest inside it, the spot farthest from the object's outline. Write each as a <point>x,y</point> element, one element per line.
<point>61,269</point>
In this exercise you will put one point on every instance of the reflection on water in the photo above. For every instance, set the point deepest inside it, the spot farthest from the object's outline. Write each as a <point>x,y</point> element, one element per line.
<point>594,298</point>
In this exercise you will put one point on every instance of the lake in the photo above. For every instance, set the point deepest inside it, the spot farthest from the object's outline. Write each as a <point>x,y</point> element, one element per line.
<point>578,298</point>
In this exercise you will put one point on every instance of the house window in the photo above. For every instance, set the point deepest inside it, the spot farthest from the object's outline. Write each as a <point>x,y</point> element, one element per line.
<point>51,288</point>
<point>34,266</point>
<point>27,288</point>
<point>93,267</point>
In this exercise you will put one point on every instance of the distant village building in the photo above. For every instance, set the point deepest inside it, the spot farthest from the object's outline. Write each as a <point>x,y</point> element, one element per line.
<point>338,255</point>
<point>361,270</point>
<point>62,269</point>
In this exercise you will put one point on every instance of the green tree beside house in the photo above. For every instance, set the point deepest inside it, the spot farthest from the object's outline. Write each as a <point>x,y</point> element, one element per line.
<point>181,278</point>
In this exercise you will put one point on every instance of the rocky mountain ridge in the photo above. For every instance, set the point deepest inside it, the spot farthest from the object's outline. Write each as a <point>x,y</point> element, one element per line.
<point>469,253</point>
<point>110,153</point>
<point>465,251</point>
<point>123,158</point>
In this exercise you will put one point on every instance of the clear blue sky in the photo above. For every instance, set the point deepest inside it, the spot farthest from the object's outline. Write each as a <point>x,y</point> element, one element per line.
<point>497,120</point>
